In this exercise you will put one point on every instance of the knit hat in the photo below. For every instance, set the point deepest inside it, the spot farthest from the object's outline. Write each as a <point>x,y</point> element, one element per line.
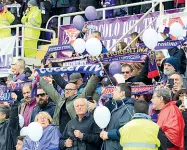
<point>174,62</point>
<point>1,7</point>
<point>32,2</point>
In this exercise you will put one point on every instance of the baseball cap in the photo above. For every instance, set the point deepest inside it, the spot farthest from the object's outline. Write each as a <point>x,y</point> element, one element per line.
<point>74,77</point>
<point>107,81</point>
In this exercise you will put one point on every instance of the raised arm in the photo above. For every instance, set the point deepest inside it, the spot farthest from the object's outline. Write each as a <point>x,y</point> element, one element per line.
<point>52,93</point>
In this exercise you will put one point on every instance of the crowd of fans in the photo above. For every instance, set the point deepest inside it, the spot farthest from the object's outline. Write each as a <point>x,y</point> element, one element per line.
<point>64,107</point>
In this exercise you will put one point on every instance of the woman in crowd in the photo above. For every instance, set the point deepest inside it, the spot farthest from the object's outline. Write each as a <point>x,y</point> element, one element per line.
<point>50,138</point>
<point>179,97</point>
<point>135,40</point>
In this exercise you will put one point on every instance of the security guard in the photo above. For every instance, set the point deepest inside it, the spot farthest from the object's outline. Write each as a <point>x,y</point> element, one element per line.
<point>31,18</point>
<point>141,133</point>
<point>6,18</point>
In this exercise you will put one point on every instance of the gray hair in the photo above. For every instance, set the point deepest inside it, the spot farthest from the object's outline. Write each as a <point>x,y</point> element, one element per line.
<point>5,110</point>
<point>83,99</point>
<point>21,62</point>
<point>165,93</point>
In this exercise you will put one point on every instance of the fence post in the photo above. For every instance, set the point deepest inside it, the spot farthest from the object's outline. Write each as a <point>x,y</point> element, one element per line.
<point>17,41</point>
<point>22,41</point>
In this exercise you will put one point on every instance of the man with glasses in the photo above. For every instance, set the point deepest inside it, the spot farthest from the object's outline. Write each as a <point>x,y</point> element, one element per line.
<point>43,104</point>
<point>27,104</point>
<point>127,72</point>
<point>64,111</point>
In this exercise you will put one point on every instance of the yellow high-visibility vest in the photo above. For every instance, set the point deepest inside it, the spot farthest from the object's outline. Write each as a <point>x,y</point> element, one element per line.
<point>140,134</point>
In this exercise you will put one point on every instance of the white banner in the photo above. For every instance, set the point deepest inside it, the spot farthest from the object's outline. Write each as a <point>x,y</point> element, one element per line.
<point>6,55</point>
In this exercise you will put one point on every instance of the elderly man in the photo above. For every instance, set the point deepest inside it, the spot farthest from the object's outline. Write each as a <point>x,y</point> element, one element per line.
<point>81,132</point>
<point>9,126</point>
<point>119,117</point>
<point>65,111</point>
<point>170,118</point>
<point>19,68</point>
<point>27,104</point>
<point>43,104</point>
<point>178,83</point>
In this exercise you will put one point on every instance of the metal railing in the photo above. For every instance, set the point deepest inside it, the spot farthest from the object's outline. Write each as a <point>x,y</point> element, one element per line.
<point>103,10</point>
<point>19,45</point>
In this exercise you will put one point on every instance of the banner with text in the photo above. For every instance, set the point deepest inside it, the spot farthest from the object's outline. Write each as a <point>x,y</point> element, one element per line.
<point>6,55</point>
<point>112,29</point>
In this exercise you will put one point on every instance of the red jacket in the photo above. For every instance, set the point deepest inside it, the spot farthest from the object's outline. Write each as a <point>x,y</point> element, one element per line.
<point>179,1</point>
<point>171,121</point>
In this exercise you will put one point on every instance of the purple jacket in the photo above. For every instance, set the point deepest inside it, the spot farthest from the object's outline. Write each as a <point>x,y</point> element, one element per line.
<point>49,141</point>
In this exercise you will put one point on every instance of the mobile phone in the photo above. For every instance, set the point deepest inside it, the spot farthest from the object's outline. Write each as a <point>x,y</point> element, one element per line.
<point>185,101</point>
<point>171,83</point>
<point>90,99</point>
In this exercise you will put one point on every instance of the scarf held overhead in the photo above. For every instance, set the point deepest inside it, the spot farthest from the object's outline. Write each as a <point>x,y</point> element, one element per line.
<point>89,69</point>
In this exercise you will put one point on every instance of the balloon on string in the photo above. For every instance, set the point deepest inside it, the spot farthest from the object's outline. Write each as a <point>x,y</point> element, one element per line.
<point>93,46</point>
<point>21,120</point>
<point>78,22</point>
<point>79,45</point>
<point>150,38</point>
<point>102,116</point>
<point>91,13</point>
<point>176,29</point>
<point>115,68</point>
<point>35,131</point>
<point>24,131</point>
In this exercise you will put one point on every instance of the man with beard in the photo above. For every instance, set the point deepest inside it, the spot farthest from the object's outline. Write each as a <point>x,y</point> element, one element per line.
<point>171,66</point>
<point>43,104</point>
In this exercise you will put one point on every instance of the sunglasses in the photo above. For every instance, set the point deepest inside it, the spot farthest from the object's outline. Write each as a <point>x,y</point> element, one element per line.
<point>127,72</point>
<point>42,95</point>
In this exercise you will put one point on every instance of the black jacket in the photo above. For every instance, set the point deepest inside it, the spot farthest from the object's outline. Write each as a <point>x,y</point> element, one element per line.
<point>143,76</point>
<point>91,139</point>
<point>50,108</point>
<point>9,130</point>
<point>178,53</point>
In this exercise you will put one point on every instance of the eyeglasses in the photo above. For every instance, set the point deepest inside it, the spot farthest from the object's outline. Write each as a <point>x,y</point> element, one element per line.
<point>69,89</point>
<point>126,72</point>
<point>183,94</point>
<point>41,94</point>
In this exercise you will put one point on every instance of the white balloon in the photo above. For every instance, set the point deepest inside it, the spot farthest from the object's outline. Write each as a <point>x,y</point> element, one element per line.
<point>79,45</point>
<point>102,116</point>
<point>35,131</point>
<point>24,131</point>
<point>119,78</point>
<point>176,29</point>
<point>21,121</point>
<point>150,38</point>
<point>93,46</point>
